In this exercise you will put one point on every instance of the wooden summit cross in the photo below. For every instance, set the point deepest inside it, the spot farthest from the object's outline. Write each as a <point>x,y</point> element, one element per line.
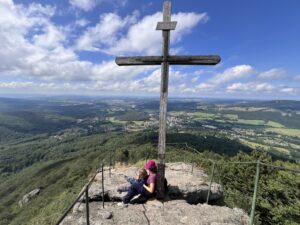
<point>165,60</point>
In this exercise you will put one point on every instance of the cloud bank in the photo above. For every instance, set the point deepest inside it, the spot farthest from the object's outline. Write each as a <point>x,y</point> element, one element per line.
<point>40,55</point>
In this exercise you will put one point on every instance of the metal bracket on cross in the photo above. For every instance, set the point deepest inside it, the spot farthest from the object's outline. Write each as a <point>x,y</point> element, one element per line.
<point>165,60</point>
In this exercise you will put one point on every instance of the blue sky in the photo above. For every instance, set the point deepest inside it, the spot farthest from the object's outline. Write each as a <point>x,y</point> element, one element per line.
<point>69,46</point>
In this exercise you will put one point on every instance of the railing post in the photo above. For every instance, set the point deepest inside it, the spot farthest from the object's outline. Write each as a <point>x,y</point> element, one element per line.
<point>192,168</point>
<point>110,163</point>
<point>255,193</point>
<point>102,185</point>
<point>211,180</point>
<point>87,205</point>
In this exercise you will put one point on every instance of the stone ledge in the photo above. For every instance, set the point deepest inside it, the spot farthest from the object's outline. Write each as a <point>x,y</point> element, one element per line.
<point>183,184</point>
<point>157,213</point>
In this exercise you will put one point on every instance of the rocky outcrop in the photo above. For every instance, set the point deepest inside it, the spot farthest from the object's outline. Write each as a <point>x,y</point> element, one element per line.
<point>185,182</point>
<point>29,196</point>
<point>191,184</point>
<point>187,185</point>
<point>157,213</point>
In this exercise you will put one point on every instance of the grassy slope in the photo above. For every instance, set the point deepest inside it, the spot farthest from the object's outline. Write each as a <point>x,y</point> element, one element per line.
<point>63,174</point>
<point>60,175</point>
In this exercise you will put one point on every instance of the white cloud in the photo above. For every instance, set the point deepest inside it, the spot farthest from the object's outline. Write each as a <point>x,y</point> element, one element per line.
<point>85,5</point>
<point>105,33</point>
<point>288,90</point>
<point>230,74</point>
<point>141,36</point>
<point>88,5</point>
<point>37,51</point>
<point>233,73</point>
<point>272,74</point>
<point>32,46</point>
<point>205,87</point>
<point>82,22</point>
<point>27,36</point>
<point>15,85</point>
<point>252,87</point>
<point>109,71</point>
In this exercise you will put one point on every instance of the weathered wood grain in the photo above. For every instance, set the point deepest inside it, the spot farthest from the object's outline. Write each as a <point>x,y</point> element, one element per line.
<point>166,25</point>
<point>173,60</point>
<point>163,102</point>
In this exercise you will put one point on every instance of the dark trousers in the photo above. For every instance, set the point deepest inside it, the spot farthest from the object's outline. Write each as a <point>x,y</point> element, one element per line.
<point>135,190</point>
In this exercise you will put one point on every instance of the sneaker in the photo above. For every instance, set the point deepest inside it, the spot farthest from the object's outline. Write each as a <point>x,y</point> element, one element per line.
<point>122,204</point>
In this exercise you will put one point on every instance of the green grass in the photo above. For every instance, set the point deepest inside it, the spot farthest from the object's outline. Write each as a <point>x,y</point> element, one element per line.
<point>265,147</point>
<point>116,121</point>
<point>231,116</point>
<point>204,116</point>
<point>274,124</point>
<point>285,131</point>
<point>251,122</point>
<point>139,123</point>
<point>295,146</point>
<point>176,113</point>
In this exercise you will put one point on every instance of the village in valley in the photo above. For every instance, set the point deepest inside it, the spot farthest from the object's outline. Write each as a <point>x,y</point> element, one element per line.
<point>275,130</point>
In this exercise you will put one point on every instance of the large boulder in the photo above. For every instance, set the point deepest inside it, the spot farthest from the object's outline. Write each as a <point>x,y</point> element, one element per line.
<point>29,196</point>
<point>185,182</point>
<point>157,213</point>
<point>191,184</point>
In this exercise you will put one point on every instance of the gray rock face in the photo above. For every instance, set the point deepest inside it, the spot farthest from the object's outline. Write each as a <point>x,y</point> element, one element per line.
<point>157,213</point>
<point>190,184</point>
<point>185,182</point>
<point>29,196</point>
<point>187,185</point>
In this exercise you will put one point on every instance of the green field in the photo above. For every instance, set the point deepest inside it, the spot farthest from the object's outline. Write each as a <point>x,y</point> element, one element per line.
<point>116,121</point>
<point>204,116</point>
<point>255,145</point>
<point>285,131</point>
<point>274,124</point>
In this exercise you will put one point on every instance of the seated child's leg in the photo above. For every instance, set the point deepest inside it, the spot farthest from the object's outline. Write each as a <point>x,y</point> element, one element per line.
<point>131,180</point>
<point>123,188</point>
<point>130,194</point>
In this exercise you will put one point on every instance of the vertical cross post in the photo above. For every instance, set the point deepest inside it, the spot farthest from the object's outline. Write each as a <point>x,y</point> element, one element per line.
<point>163,102</point>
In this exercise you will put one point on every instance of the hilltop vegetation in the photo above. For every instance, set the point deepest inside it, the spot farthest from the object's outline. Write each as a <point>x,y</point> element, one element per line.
<point>55,144</point>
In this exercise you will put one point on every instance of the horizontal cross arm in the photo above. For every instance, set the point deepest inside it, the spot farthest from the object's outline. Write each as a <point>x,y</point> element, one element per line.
<point>173,60</point>
<point>194,60</point>
<point>139,60</point>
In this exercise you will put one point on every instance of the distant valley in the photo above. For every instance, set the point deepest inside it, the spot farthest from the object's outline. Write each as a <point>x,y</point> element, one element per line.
<point>54,143</point>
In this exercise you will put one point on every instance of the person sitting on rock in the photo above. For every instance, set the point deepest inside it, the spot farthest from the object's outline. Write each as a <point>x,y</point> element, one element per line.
<point>138,182</point>
<point>147,190</point>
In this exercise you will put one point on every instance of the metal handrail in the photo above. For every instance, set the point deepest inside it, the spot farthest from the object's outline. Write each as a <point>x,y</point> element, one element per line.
<point>258,163</point>
<point>85,191</point>
<point>214,164</point>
